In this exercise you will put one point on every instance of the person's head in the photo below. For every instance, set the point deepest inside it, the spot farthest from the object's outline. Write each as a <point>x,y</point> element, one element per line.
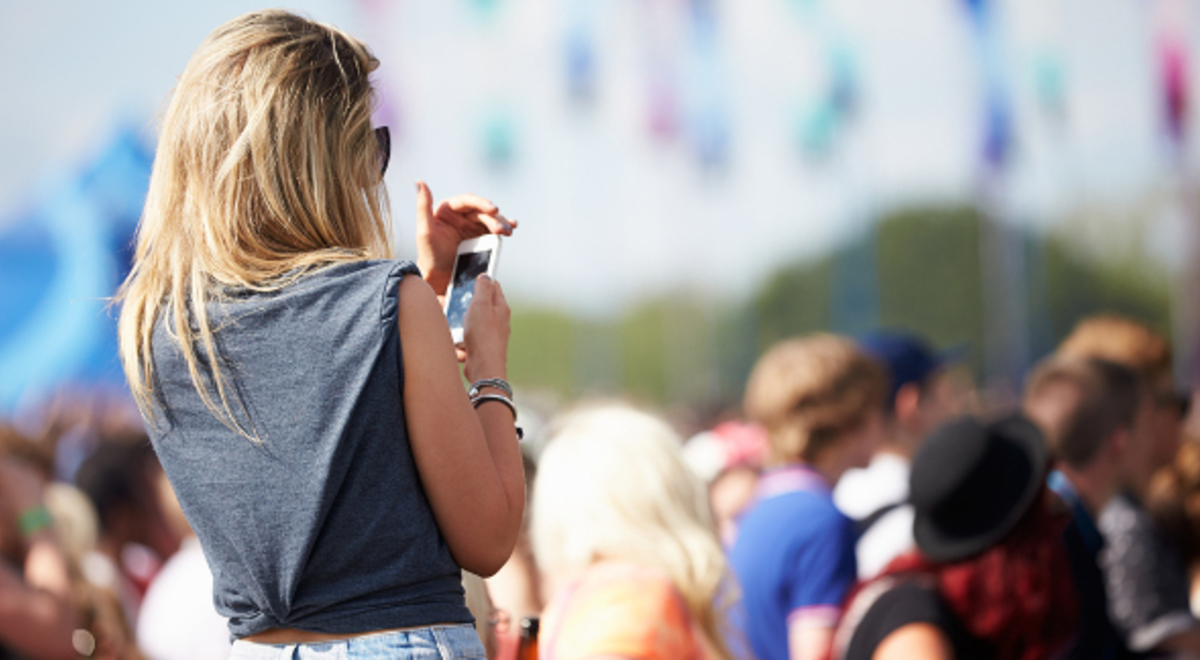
<point>1089,411</point>
<point>267,165</point>
<point>1173,500</point>
<point>990,534</point>
<point>1148,354</point>
<point>915,402</point>
<point>820,399</point>
<point>33,459</point>
<point>612,485</point>
<point>730,493</point>
<point>122,480</point>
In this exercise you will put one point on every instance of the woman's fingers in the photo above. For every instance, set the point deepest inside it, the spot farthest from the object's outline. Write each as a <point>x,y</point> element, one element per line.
<point>485,290</point>
<point>509,223</point>
<point>489,299</point>
<point>468,203</point>
<point>486,331</point>
<point>424,206</point>
<point>471,225</point>
<point>472,221</point>
<point>495,224</point>
<point>498,299</point>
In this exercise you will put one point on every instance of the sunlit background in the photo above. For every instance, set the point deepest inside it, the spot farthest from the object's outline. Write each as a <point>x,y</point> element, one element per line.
<point>694,178</point>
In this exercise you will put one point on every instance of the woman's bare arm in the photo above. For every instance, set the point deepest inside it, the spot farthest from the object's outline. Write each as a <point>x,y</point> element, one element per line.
<point>468,459</point>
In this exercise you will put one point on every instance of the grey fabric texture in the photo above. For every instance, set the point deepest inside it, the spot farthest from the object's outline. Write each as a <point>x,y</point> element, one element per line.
<point>322,524</point>
<point>1145,580</point>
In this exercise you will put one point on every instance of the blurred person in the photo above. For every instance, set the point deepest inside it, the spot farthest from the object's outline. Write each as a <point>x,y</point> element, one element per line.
<point>75,521</point>
<point>299,385</point>
<point>730,495</point>
<point>73,422</point>
<point>102,630</point>
<point>729,458</point>
<point>479,602</point>
<point>37,613</point>
<point>105,632</point>
<point>622,530</point>
<point>731,443</point>
<point>120,478</point>
<point>1173,501</point>
<point>821,401</point>
<point>1127,342</point>
<point>1089,411</point>
<point>1145,580</point>
<point>178,620</point>
<point>516,588</point>
<point>918,401</point>
<point>990,577</point>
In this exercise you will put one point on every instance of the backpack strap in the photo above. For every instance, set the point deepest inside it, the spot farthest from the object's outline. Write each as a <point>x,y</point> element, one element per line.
<point>862,525</point>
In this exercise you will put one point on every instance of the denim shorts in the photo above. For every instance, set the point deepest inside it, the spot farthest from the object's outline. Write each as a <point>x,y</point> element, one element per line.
<point>458,642</point>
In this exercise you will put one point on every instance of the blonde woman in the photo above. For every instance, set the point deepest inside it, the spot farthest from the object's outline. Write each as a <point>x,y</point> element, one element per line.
<point>623,532</point>
<point>300,387</point>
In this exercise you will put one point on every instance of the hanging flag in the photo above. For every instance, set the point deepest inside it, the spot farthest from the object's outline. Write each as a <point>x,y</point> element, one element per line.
<point>708,122</point>
<point>997,121</point>
<point>1050,82</point>
<point>499,139</point>
<point>580,60</point>
<point>825,115</point>
<point>580,66</point>
<point>661,51</point>
<point>1173,75</point>
<point>486,9</point>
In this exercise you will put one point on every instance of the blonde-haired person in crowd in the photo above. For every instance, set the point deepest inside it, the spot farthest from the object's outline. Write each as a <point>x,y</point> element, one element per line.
<point>622,530</point>
<point>299,385</point>
<point>821,401</point>
<point>1145,580</point>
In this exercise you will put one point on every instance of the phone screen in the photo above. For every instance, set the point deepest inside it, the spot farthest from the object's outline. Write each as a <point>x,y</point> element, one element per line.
<point>469,266</point>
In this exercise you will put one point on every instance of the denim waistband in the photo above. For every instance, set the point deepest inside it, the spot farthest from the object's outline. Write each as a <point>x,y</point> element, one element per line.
<point>455,642</point>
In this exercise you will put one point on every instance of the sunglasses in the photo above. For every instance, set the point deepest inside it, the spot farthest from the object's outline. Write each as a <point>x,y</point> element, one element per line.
<point>384,138</point>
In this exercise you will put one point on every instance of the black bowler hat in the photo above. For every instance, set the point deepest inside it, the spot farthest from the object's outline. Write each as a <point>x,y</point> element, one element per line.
<point>972,482</point>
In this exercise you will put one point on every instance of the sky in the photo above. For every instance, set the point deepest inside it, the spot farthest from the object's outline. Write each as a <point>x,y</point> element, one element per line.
<point>669,157</point>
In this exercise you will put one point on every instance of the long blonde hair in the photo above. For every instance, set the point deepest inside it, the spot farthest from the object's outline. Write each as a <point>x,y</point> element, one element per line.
<point>267,166</point>
<point>613,485</point>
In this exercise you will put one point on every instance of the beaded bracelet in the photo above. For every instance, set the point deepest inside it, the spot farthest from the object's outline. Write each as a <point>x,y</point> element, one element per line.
<point>483,398</point>
<point>498,383</point>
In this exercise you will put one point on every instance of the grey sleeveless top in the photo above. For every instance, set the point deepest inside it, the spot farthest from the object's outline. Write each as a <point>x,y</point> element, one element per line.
<point>323,525</point>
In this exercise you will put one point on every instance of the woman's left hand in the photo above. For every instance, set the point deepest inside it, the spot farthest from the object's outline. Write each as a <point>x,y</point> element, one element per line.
<point>439,232</point>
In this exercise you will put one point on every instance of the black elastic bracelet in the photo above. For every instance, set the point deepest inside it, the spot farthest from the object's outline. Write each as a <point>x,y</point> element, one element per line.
<point>483,398</point>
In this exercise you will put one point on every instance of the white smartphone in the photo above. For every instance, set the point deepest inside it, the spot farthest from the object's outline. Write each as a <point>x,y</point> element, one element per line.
<point>475,257</point>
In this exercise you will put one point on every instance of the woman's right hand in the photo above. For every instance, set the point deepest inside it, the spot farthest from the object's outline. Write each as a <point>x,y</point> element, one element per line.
<point>485,332</point>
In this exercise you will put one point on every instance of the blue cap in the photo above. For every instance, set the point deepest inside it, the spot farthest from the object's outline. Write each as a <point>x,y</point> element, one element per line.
<point>907,358</point>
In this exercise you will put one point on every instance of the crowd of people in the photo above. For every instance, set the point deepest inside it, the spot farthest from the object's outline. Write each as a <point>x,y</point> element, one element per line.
<point>866,506</point>
<point>300,472</point>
